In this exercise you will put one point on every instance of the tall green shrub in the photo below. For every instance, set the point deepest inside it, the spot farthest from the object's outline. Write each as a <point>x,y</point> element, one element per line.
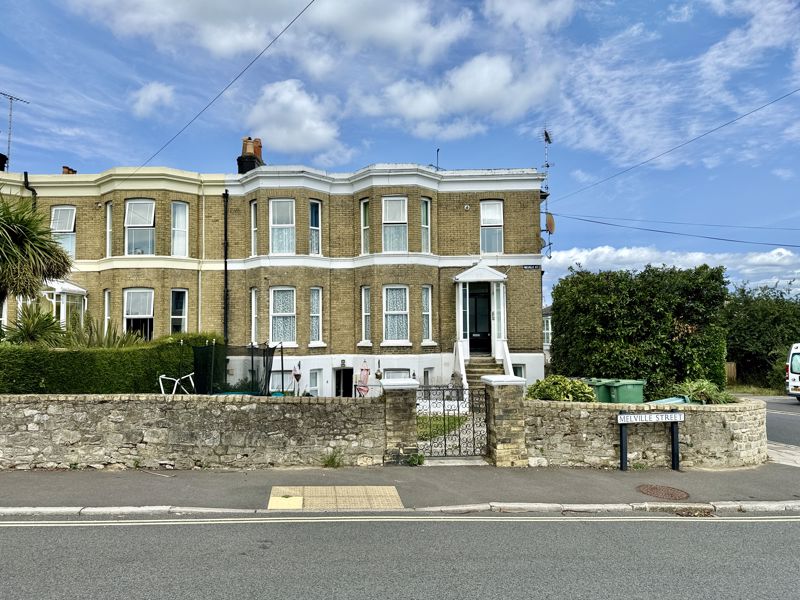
<point>661,324</point>
<point>762,324</point>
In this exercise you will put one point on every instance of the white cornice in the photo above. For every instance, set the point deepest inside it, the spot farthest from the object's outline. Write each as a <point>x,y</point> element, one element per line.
<point>319,262</point>
<point>175,180</point>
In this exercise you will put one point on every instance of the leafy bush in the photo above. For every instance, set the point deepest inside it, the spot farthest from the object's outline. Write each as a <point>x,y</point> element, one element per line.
<point>558,388</point>
<point>702,390</point>
<point>761,325</point>
<point>660,324</point>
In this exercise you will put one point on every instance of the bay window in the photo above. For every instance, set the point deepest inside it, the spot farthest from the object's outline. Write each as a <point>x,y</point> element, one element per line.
<point>140,227</point>
<point>395,314</point>
<point>395,225</point>
<point>283,325</point>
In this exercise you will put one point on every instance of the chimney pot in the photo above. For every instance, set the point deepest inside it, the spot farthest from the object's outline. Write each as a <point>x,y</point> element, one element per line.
<point>257,148</point>
<point>65,170</point>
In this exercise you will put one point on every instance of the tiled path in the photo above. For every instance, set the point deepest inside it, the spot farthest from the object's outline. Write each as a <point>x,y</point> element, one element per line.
<point>314,498</point>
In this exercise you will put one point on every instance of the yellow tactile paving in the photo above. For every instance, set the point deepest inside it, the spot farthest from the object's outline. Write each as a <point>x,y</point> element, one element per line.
<point>333,498</point>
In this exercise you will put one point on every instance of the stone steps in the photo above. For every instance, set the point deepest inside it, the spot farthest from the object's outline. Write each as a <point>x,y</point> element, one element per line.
<point>477,367</point>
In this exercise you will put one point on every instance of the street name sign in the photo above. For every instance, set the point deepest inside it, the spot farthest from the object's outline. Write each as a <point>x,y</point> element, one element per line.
<point>650,417</point>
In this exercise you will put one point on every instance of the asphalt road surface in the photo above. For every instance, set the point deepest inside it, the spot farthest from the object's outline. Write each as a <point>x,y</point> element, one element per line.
<point>783,419</point>
<point>487,558</point>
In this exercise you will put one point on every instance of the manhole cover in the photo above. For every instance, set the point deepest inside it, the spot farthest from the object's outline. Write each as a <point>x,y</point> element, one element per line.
<point>663,491</point>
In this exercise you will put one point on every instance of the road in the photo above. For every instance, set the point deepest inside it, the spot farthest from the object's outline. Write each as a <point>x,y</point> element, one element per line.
<point>418,557</point>
<point>783,419</point>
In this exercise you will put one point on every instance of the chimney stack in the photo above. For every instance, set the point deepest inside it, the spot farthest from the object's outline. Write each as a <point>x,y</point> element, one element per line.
<point>251,155</point>
<point>65,170</point>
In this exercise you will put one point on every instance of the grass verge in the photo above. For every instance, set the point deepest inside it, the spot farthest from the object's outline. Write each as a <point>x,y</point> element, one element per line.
<point>429,427</point>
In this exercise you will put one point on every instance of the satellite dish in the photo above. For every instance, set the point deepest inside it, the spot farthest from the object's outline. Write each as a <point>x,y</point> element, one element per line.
<point>550,223</point>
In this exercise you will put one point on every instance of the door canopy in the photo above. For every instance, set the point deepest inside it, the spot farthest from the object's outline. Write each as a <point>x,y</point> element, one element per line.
<point>479,272</point>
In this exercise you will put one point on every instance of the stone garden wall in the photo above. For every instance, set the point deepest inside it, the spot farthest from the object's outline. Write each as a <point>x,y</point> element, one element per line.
<point>187,431</point>
<point>586,434</point>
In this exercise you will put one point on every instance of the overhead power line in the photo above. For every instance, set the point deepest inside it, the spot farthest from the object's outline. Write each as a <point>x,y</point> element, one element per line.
<point>225,89</point>
<point>683,234</point>
<point>728,226</point>
<point>681,145</point>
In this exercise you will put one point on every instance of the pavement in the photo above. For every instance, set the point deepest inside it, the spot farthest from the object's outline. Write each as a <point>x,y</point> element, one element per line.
<point>434,487</point>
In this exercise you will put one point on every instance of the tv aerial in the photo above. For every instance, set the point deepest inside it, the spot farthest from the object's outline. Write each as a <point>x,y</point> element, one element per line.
<point>11,100</point>
<point>549,222</point>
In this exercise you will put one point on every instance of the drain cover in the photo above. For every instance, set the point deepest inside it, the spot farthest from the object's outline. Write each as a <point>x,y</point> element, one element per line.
<point>663,491</point>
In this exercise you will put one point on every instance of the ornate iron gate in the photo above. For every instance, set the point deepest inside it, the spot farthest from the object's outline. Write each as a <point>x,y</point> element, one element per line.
<point>451,421</point>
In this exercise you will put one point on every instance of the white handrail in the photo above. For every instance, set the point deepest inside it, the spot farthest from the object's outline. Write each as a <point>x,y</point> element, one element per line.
<point>458,364</point>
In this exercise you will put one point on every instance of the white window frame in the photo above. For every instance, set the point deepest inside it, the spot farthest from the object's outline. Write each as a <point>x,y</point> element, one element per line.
<point>427,317</point>
<point>254,316</point>
<point>314,382</point>
<point>254,228</point>
<point>394,223</point>
<point>66,232</point>
<point>273,227</point>
<point>425,230</point>
<point>109,228</point>
<point>364,212</point>
<point>106,310</point>
<point>126,316</point>
<point>184,318</point>
<point>518,370</point>
<point>315,315</point>
<point>397,373</point>
<point>366,316</point>
<point>547,330</point>
<point>176,232</point>
<point>4,313</point>
<point>129,227</point>
<point>395,342</point>
<point>487,224</point>
<point>273,315</point>
<point>315,229</point>
<point>275,380</point>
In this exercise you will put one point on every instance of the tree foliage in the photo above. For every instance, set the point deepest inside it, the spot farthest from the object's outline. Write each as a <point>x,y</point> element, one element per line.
<point>28,253</point>
<point>661,324</point>
<point>762,324</point>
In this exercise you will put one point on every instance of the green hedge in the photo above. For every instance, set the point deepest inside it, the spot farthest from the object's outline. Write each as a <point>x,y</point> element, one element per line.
<point>36,370</point>
<point>661,324</point>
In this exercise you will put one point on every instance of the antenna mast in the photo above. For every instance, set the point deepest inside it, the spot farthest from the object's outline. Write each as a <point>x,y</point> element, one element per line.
<point>11,100</point>
<point>545,193</point>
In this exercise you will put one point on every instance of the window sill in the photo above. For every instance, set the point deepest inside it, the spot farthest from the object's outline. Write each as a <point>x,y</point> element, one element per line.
<point>285,344</point>
<point>317,345</point>
<point>364,344</point>
<point>397,343</point>
<point>429,343</point>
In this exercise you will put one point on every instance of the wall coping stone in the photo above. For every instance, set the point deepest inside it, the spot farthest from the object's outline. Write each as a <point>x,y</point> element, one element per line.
<point>739,405</point>
<point>400,384</point>
<point>501,380</point>
<point>184,398</point>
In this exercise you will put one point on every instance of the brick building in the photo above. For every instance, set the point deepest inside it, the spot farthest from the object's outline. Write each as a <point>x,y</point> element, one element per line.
<point>418,268</point>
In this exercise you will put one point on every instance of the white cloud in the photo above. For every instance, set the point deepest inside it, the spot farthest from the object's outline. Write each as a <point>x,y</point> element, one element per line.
<point>779,265</point>
<point>486,87</point>
<point>679,14</point>
<point>785,174</point>
<point>531,16</point>
<point>582,176</point>
<point>227,29</point>
<point>151,96</point>
<point>290,119</point>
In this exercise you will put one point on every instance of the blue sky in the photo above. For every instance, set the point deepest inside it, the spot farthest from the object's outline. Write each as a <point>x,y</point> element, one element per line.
<point>356,82</point>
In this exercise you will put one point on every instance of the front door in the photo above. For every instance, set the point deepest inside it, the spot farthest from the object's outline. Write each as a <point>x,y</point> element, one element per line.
<point>480,323</point>
<point>344,383</point>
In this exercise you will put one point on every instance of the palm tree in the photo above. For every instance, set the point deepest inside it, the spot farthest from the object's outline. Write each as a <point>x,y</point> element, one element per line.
<point>28,253</point>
